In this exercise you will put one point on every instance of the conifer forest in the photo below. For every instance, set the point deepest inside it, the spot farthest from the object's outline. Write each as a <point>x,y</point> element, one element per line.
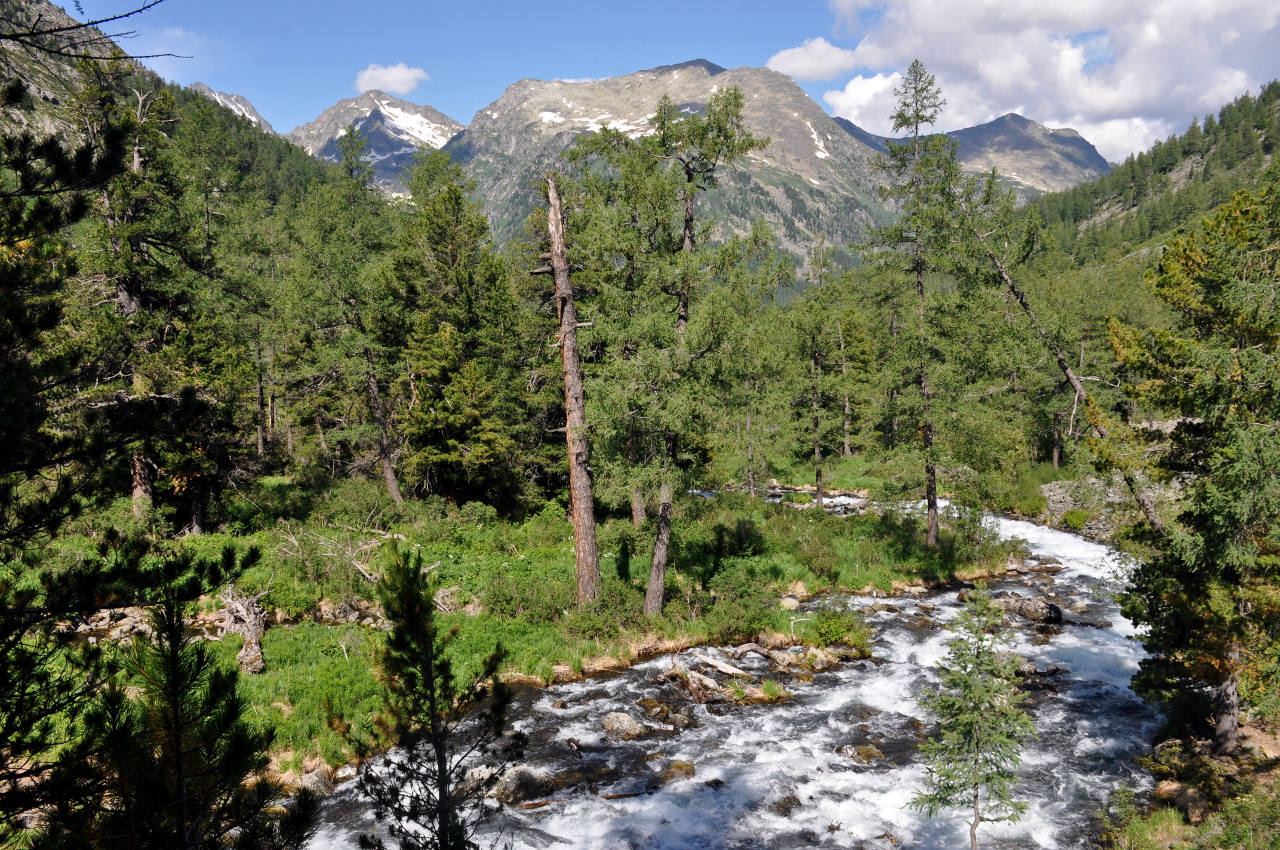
<point>332,517</point>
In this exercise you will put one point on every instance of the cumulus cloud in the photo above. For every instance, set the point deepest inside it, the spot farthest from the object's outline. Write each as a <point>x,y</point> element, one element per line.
<point>816,59</point>
<point>396,79</point>
<point>1123,74</point>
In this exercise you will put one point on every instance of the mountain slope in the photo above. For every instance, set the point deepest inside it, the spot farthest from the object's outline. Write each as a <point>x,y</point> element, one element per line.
<point>395,130</point>
<point>813,178</point>
<point>238,104</point>
<point>1030,156</point>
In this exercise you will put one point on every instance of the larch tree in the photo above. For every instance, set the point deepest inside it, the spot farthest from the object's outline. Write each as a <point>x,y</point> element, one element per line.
<point>652,255</point>
<point>924,173</point>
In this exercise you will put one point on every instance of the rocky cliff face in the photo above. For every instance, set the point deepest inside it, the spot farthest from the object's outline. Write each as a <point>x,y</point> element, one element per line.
<point>239,104</point>
<point>813,178</point>
<point>395,129</point>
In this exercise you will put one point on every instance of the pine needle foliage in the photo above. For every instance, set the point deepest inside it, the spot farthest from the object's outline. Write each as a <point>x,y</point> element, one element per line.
<point>425,791</point>
<point>973,761</point>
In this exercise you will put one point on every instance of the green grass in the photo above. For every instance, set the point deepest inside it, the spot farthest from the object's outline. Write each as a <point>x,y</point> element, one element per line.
<point>732,557</point>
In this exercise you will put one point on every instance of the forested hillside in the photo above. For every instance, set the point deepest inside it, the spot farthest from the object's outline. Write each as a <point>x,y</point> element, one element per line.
<point>286,466</point>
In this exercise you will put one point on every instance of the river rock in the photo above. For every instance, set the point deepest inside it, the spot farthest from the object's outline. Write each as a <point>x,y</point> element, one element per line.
<point>521,783</point>
<point>1022,666</point>
<point>622,725</point>
<point>319,782</point>
<point>785,806</point>
<point>790,603</point>
<point>1037,610</point>
<point>1186,798</point>
<point>677,770</point>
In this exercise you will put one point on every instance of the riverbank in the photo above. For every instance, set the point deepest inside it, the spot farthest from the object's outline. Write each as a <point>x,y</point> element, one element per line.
<point>736,562</point>
<point>638,757</point>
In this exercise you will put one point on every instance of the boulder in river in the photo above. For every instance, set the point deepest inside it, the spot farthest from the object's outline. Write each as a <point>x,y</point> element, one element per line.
<point>622,725</point>
<point>522,783</point>
<point>1035,609</point>
<point>319,782</point>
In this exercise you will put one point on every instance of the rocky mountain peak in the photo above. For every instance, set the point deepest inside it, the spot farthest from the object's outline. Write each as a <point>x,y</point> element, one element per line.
<point>238,104</point>
<point>395,130</point>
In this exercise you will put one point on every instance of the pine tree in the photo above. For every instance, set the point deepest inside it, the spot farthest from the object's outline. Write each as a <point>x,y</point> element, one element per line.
<point>427,792</point>
<point>166,757</point>
<point>972,762</point>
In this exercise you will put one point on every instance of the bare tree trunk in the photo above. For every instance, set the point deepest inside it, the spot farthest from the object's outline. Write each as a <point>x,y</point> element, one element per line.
<point>751,456</point>
<point>661,549</point>
<point>384,430</point>
<point>586,553</point>
<point>1139,495</point>
<point>926,427</point>
<point>637,509</point>
<point>1057,438</point>
<point>1226,709</point>
<point>977,819</point>
<point>142,471</point>
<point>199,503</point>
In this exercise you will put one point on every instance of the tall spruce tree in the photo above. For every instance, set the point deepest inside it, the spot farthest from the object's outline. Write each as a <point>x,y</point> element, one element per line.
<point>344,234</point>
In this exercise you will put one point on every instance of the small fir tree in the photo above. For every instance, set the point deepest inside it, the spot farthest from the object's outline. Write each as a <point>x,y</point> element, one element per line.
<point>973,761</point>
<point>425,791</point>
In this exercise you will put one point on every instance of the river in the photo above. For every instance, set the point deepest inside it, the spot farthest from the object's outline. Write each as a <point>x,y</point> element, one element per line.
<point>836,765</point>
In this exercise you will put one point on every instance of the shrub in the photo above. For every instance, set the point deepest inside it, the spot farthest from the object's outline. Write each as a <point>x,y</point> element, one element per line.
<point>841,628</point>
<point>522,590</point>
<point>1075,519</point>
<point>620,606</point>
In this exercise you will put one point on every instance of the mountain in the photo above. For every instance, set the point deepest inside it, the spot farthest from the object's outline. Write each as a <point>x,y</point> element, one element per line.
<point>395,129</point>
<point>813,178</point>
<point>238,104</point>
<point>1031,157</point>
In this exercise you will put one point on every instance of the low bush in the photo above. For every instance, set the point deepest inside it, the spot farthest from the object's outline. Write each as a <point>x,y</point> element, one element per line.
<point>840,628</point>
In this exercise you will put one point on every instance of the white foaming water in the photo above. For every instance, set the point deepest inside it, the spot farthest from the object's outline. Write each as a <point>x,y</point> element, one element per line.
<point>836,766</point>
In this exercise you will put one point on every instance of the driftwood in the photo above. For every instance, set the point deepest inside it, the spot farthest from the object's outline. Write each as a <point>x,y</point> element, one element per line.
<point>727,669</point>
<point>243,615</point>
<point>742,651</point>
<point>702,688</point>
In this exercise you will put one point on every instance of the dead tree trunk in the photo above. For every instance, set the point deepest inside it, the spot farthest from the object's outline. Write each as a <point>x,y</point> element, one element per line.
<point>243,615</point>
<point>1139,495</point>
<point>586,553</point>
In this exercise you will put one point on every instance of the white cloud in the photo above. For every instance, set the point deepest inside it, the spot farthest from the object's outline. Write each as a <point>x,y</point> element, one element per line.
<point>816,59</point>
<point>396,79</point>
<point>1122,73</point>
<point>866,101</point>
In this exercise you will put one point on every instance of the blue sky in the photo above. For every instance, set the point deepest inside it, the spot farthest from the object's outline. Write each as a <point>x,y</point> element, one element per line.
<point>1123,73</point>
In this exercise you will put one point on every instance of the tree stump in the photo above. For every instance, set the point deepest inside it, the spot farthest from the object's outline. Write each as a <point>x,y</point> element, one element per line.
<point>243,615</point>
